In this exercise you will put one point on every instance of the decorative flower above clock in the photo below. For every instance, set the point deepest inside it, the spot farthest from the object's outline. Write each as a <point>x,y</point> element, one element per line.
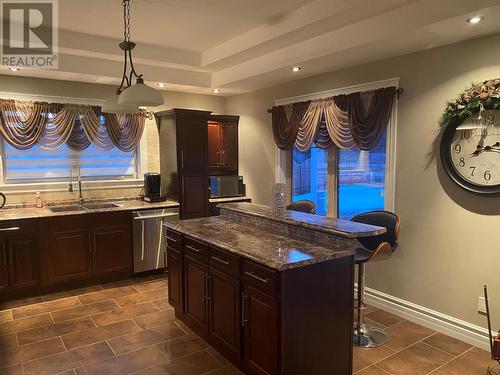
<point>470,145</point>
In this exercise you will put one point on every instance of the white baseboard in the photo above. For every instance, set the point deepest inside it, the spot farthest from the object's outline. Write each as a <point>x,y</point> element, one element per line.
<point>459,329</point>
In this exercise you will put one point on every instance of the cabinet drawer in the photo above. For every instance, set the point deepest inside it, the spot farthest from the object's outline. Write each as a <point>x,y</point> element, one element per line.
<point>225,261</point>
<point>196,248</point>
<point>174,239</point>
<point>262,277</point>
<point>17,227</point>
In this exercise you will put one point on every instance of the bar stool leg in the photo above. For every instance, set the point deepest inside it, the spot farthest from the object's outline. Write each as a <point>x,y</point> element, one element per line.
<point>365,336</point>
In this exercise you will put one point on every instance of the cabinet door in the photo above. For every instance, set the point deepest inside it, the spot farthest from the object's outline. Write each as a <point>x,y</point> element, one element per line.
<point>194,203</point>
<point>70,255</point>
<point>260,331</point>
<point>24,261</point>
<point>225,311</point>
<point>192,144</point>
<point>230,148</point>
<point>195,286</point>
<point>4,266</point>
<point>174,266</point>
<point>112,250</point>
<point>214,146</point>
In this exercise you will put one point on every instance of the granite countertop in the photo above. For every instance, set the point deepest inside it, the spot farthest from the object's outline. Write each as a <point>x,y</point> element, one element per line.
<point>123,205</point>
<point>227,199</point>
<point>339,227</point>
<point>268,248</point>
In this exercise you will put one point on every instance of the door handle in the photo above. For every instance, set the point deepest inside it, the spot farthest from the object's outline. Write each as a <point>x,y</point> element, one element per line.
<point>4,255</point>
<point>11,229</point>
<point>193,249</point>
<point>221,260</point>
<point>243,298</point>
<point>252,275</point>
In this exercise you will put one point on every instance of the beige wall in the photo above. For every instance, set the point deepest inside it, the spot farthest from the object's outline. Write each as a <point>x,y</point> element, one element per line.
<point>450,239</point>
<point>34,86</point>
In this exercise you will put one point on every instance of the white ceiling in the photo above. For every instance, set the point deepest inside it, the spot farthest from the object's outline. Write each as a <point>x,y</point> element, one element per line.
<point>243,45</point>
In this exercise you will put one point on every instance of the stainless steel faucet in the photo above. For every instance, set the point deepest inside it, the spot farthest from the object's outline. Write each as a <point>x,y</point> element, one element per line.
<point>70,189</point>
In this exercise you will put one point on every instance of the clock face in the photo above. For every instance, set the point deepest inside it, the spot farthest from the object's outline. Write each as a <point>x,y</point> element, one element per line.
<point>471,154</point>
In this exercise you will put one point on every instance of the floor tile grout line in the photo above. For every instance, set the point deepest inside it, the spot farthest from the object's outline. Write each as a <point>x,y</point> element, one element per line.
<point>444,351</point>
<point>451,360</point>
<point>381,369</point>
<point>217,359</point>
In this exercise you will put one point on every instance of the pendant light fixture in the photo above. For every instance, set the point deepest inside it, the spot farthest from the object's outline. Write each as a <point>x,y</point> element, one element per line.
<point>128,97</point>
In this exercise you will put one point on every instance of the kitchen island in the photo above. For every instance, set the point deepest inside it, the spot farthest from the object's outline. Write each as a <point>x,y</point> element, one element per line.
<point>274,293</point>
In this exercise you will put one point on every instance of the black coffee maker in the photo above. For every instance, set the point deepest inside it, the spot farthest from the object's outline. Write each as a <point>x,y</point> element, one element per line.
<point>152,188</point>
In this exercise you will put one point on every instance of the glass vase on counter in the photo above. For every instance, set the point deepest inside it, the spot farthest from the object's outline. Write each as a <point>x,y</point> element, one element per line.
<point>279,198</point>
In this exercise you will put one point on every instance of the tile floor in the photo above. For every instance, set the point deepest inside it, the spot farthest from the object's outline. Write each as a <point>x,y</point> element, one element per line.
<point>129,328</point>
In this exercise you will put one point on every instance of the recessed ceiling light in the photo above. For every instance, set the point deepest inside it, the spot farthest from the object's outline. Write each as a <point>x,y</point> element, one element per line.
<point>296,69</point>
<point>14,69</point>
<point>161,84</point>
<point>475,19</point>
<point>216,91</point>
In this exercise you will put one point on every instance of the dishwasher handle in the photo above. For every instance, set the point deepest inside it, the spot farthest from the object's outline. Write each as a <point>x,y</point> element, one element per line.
<point>156,216</point>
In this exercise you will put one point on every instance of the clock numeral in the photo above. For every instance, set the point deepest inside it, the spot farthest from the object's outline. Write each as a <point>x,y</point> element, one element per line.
<point>487,176</point>
<point>465,134</point>
<point>458,148</point>
<point>472,171</point>
<point>461,162</point>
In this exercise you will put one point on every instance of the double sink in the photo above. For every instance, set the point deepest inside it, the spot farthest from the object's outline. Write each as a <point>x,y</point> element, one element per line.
<point>83,207</point>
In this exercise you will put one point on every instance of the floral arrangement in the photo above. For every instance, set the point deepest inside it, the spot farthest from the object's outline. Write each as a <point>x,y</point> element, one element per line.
<point>472,101</point>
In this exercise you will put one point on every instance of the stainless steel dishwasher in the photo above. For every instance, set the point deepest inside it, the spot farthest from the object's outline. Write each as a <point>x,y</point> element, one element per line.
<point>149,244</point>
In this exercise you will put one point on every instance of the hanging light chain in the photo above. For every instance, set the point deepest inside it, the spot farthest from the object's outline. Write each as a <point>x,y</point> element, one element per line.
<point>126,20</point>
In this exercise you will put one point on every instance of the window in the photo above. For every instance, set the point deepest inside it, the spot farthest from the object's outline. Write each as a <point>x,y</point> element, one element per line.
<point>360,175</point>
<point>361,180</point>
<point>310,177</point>
<point>38,164</point>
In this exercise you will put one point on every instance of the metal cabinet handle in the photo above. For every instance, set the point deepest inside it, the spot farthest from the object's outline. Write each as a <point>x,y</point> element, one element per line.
<point>221,260</point>
<point>243,299</point>
<point>252,275</point>
<point>193,249</point>
<point>165,262</point>
<point>223,158</point>
<point>4,255</point>
<point>11,229</point>
<point>182,159</point>
<point>171,239</point>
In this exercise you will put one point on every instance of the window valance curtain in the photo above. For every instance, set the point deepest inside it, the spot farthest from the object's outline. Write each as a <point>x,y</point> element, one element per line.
<point>358,119</point>
<point>24,124</point>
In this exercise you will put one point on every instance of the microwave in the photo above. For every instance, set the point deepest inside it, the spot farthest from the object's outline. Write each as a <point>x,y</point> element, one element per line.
<point>226,186</point>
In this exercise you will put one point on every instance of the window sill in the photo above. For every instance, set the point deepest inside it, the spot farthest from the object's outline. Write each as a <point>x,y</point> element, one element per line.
<point>63,186</point>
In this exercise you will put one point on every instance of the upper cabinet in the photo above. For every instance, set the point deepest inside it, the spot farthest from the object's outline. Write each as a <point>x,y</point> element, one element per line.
<point>223,145</point>
<point>183,159</point>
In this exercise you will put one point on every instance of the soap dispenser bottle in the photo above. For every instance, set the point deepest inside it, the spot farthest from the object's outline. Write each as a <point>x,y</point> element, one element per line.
<point>38,200</point>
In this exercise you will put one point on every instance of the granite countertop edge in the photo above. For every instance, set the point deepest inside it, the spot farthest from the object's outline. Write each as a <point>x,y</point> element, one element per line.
<point>335,254</point>
<point>125,205</point>
<point>373,231</point>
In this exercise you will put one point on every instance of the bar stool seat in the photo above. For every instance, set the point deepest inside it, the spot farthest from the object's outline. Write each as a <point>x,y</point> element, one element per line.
<point>372,249</point>
<point>306,206</point>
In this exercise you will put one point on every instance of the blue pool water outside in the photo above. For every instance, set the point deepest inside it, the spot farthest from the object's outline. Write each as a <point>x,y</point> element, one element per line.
<point>353,199</point>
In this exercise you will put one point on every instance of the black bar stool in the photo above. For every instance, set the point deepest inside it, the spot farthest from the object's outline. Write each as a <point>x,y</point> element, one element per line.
<point>306,206</point>
<point>374,248</point>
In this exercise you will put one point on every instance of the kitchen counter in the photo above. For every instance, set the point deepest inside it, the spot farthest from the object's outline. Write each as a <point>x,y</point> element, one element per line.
<point>123,205</point>
<point>271,249</point>
<point>323,224</point>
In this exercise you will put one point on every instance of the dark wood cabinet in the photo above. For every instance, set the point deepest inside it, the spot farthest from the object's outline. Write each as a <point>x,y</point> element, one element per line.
<point>174,262</point>
<point>88,245</point>
<point>223,145</point>
<point>184,159</point>
<point>260,337</point>
<point>257,316</point>
<point>225,309</point>
<point>195,287</point>
<point>24,259</point>
<point>4,267</point>
<point>70,255</point>
<point>112,251</point>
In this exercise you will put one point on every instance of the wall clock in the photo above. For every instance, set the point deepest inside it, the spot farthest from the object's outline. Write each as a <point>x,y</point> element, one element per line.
<point>470,153</point>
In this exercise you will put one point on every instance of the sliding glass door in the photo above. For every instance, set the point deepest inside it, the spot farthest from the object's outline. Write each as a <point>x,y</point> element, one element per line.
<point>360,179</point>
